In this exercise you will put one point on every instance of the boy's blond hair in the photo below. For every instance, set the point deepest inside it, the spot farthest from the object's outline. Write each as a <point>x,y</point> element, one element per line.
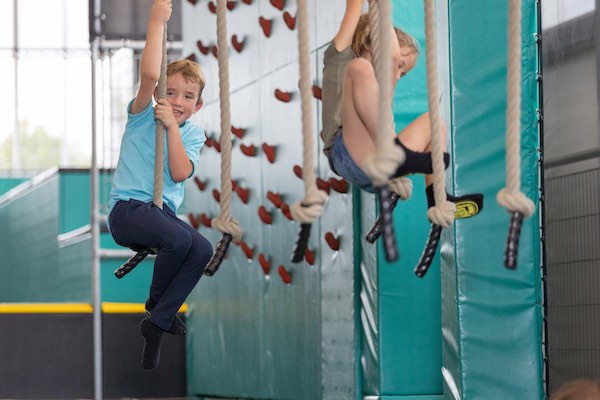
<point>190,71</point>
<point>361,41</point>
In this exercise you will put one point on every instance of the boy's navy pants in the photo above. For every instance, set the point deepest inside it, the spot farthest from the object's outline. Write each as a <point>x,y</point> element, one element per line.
<point>182,253</point>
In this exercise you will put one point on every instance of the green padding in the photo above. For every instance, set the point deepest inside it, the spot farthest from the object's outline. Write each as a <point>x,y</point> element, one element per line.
<point>8,183</point>
<point>409,307</point>
<point>492,317</point>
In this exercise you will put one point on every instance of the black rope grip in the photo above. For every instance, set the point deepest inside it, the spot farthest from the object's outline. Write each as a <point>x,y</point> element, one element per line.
<point>130,264</point>
<point>512,241</point>
<point>431,245</point>
<point>389,239</point>
<point>301,243</point>
<point>217,258</point>
<point>377,228</point>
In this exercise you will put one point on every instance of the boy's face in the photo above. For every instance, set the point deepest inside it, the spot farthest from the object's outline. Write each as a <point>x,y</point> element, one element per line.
<point>183,97</point>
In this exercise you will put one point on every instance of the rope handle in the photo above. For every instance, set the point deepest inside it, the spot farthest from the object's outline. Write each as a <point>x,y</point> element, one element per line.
<point>385,214</point>
<point>217,257</point>
<point>130,264</point>
<point>377,228</point>
<point>512,241</point>
<point>431,245</point>
<point>301,243</point>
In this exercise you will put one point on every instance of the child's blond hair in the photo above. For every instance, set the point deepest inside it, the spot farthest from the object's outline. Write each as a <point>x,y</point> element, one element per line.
<point>190,71</point>
<point>361,41</point>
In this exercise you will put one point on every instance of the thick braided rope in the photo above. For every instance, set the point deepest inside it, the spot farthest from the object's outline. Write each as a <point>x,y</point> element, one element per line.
<point>309,209</point>
<point>381,165</point>
<point>511,196</point>
<point>443,212</point>
<point>224,222</point>
<point>402,186</point>
<point>159,152</point>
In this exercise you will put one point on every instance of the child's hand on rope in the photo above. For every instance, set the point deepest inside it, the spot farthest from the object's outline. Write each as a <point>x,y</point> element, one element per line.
<point>161,11</point>
<point>164,113</point>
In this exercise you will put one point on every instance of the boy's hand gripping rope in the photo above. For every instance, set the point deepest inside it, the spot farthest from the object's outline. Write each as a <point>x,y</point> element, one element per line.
<point>511,196</point>
<point>224,222</point>
<point>308,209</point>
<point>442,214</point>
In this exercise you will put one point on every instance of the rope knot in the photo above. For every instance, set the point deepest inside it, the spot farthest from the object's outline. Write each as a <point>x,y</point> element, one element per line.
<point>309,209</point>
<point>381,165</point>
<point>515,202</point>
<point>230,226</point>
<point>443,214</point>
<point>401,186</point>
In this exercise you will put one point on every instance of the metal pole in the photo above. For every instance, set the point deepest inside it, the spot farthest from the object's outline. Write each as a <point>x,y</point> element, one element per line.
<point>96,284</point>
<point>16,145</point>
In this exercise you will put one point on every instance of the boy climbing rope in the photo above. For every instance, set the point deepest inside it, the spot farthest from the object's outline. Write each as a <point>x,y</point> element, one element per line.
<point>350,109</point>
<point>134,220</point>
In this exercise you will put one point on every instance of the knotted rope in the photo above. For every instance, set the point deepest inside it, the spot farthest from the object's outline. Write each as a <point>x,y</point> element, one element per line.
<point>442,213</point>
<point>224,222</point>
<point>511,197</point>
<point>159,154</point>
<point>309,208</point>
<point>385,161</point>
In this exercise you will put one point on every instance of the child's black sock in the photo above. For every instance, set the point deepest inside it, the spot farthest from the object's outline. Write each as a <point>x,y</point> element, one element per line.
<point>153,337</point>
<point>467,205</point>
<point>417,162</point>
<point>177,328</point>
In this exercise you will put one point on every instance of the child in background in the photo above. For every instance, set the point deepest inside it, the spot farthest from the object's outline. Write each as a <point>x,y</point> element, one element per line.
<point>134,221</point>
<point>351,102</point>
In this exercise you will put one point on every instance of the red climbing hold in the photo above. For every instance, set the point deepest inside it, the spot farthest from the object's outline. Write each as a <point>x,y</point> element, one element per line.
<point>265,24</point>
<point>269,152</point>
<point>285,275</point>
<point>283,96</point>
<point>289,20</point>
<point>332,241</point>
<point>264,215</point>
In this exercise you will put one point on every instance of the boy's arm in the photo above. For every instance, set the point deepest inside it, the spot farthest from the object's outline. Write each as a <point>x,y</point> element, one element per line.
<point>160,12</point>
<point>180,166</point>
<point>343,38</point>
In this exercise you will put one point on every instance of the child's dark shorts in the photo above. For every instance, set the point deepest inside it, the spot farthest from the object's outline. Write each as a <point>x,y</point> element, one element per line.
<point>342,164</point>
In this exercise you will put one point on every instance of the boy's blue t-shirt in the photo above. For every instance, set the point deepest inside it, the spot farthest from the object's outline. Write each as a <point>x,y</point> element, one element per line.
<point>134,176</point>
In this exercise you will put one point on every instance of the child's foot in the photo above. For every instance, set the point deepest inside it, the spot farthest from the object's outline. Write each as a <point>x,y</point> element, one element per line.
<point>467,205</point>
<point>177,328</point>
<point>153,337</point>
<point>417,162</point>
<point>377,228</point>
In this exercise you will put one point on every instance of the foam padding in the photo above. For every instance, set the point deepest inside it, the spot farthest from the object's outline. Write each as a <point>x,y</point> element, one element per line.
<point>492,316</point>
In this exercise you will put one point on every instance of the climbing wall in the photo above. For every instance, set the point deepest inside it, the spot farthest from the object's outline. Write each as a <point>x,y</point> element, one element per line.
<point>263,327</point>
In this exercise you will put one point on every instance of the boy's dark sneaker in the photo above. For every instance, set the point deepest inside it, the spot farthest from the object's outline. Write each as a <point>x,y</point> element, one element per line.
<point>153,337</point>
<point>177,328</point>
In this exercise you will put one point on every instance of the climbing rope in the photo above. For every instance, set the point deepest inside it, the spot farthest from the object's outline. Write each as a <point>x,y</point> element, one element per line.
<point>159,163</point>
<point>381,165</point>
<point>387,157</point>
<point>224,222</point>
<point>309,208</point>
<point>159,154</point>
<point>511,197</point>
<point>442,214</point>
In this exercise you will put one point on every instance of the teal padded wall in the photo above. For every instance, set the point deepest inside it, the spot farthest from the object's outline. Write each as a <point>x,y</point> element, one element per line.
<point>75,213</point>
<point>406,337</point>
<point>492,317</point>
<point>8,183</point>
<point>33,267</point>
